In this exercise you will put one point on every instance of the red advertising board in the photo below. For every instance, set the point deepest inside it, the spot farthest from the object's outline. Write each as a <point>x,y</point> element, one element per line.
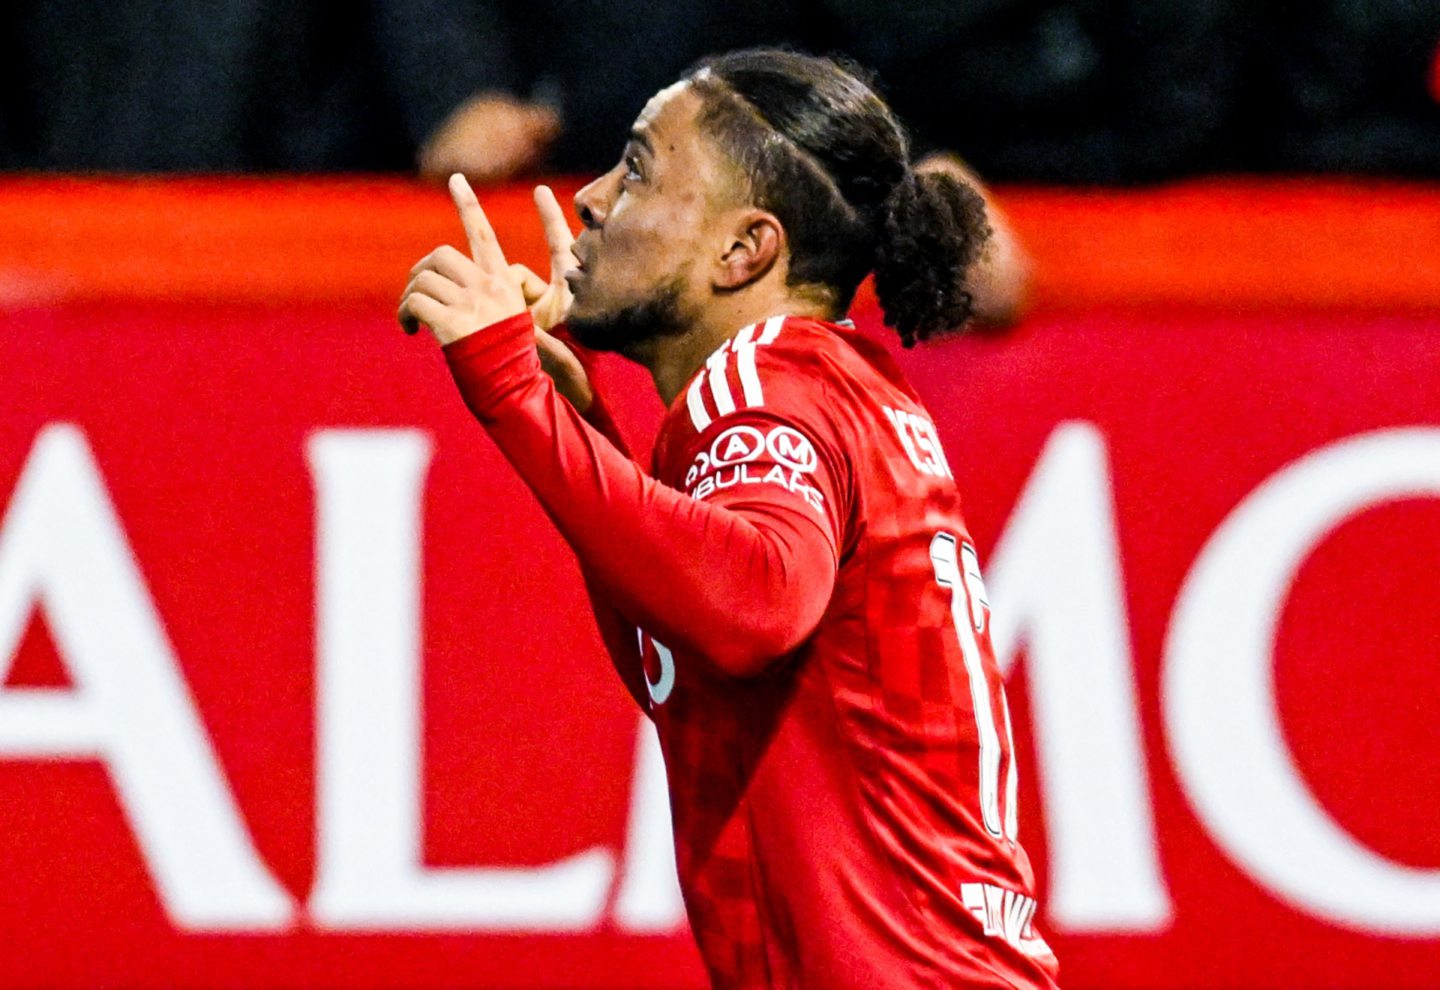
<point>301,690</point>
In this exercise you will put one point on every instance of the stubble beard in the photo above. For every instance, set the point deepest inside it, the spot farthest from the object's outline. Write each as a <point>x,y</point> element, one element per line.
<point>632,331</point>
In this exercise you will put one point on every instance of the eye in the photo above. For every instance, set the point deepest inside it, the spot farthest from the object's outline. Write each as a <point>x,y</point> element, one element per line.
<point>632,169</point>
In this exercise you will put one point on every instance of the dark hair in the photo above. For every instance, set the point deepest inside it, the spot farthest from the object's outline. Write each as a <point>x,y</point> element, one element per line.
<point>824,153</point>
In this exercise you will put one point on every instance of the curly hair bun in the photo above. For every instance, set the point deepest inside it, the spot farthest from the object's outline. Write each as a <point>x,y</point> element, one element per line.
<point>934,228</point>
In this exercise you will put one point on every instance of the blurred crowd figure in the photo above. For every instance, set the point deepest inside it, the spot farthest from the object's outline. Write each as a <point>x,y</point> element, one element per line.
<point>1080,91</point>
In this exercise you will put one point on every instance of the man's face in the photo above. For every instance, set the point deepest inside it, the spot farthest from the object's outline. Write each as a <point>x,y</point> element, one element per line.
<point>649,241</point>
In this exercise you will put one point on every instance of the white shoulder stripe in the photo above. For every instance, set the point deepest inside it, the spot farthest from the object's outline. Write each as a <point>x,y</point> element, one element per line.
<point>744,349</point>
<point>699,418</point>
<point>743,346</point>
<point>719,387</point>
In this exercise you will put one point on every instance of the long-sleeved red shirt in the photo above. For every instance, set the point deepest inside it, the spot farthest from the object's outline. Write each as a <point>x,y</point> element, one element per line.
<point>754,584</point>
<point>793,598</point>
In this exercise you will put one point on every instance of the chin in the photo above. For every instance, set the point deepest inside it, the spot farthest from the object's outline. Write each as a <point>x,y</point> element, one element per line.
<point>627,328</point>
<point>586,305</point>
<point>580,309</point>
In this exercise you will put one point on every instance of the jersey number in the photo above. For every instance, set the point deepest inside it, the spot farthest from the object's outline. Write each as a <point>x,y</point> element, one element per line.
<point>660,688</point>
<point>957,568</point>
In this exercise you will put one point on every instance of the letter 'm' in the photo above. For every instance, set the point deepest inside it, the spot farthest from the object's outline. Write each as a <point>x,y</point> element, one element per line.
<point>1055,588</point>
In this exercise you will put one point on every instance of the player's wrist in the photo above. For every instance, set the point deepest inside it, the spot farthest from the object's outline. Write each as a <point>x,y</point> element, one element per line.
<point>494,362</point>
<point>511,333</point>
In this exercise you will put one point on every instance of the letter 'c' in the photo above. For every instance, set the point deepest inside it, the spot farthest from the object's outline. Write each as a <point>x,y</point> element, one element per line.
<point>1219,696</point>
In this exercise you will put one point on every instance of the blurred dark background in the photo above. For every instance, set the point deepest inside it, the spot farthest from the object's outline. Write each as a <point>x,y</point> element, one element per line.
<point>1084,91</point>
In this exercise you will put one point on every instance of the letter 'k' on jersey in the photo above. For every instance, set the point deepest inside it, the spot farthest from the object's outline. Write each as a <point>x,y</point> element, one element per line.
<point>847,818</point>
<point>844,804</point>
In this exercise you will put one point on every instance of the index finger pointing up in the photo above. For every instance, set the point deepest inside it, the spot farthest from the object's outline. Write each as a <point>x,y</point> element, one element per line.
<point>484,248</point>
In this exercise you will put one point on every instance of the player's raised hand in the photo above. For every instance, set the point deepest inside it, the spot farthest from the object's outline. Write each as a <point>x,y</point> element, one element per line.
<point>454,295</point>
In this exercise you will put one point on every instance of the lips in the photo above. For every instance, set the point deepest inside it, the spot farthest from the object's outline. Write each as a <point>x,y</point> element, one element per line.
<point>577,274</point>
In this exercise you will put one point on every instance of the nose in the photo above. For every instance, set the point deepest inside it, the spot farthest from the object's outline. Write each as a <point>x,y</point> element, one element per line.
<point>592,204</point>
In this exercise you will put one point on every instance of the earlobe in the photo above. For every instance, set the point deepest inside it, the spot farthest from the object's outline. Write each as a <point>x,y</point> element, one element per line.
<point>756,243</point>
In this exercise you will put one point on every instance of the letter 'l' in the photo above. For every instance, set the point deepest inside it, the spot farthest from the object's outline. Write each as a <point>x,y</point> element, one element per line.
<point>370,875</point>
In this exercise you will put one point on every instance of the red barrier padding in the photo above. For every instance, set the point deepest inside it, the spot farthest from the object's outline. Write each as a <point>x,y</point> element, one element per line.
<point>1227,243</point>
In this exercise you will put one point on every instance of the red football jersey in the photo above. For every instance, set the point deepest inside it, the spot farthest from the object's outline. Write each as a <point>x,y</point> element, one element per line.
<point>833,721</point>
<point>847,818</point>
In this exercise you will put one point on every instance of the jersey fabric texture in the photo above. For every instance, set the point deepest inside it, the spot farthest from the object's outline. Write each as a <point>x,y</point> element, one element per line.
<point>792,596</point>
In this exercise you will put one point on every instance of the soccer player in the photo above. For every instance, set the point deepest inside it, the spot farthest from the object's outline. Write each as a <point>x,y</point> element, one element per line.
<point>789,592</point>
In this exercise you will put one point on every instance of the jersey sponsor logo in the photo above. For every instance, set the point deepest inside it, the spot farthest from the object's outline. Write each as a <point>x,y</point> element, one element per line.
<point>1005,913</point>
<point>743,474</point>
<point>737,445</point>
<point>730,462</point>
<point>792,449</point>
<point>921,443</point>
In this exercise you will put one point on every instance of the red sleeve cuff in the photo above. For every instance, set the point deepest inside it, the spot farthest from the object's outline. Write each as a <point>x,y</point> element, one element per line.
<point>499,336</point>
<point>490,364</point>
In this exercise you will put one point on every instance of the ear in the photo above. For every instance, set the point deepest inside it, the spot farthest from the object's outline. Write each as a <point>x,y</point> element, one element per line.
<point>755,242</point>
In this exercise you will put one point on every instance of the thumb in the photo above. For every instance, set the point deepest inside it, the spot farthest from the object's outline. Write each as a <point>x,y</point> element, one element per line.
<point>532,286</point>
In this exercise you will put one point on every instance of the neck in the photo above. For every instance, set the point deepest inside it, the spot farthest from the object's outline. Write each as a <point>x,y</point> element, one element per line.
<point>672,361</point>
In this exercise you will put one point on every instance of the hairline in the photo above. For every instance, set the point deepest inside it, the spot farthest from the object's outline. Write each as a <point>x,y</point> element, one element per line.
<point>715,93</point>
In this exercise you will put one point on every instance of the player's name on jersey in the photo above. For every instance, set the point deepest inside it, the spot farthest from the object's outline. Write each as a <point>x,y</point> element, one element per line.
<point>921,442</point>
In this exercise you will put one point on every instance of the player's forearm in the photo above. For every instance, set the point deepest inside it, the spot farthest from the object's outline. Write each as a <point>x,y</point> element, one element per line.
<point>741,589</point>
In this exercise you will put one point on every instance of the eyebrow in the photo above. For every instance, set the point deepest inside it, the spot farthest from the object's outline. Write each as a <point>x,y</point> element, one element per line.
<point>638,136</point>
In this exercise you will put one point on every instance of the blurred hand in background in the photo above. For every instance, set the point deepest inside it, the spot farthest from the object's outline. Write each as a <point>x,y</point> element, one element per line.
<point>490,137</point>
